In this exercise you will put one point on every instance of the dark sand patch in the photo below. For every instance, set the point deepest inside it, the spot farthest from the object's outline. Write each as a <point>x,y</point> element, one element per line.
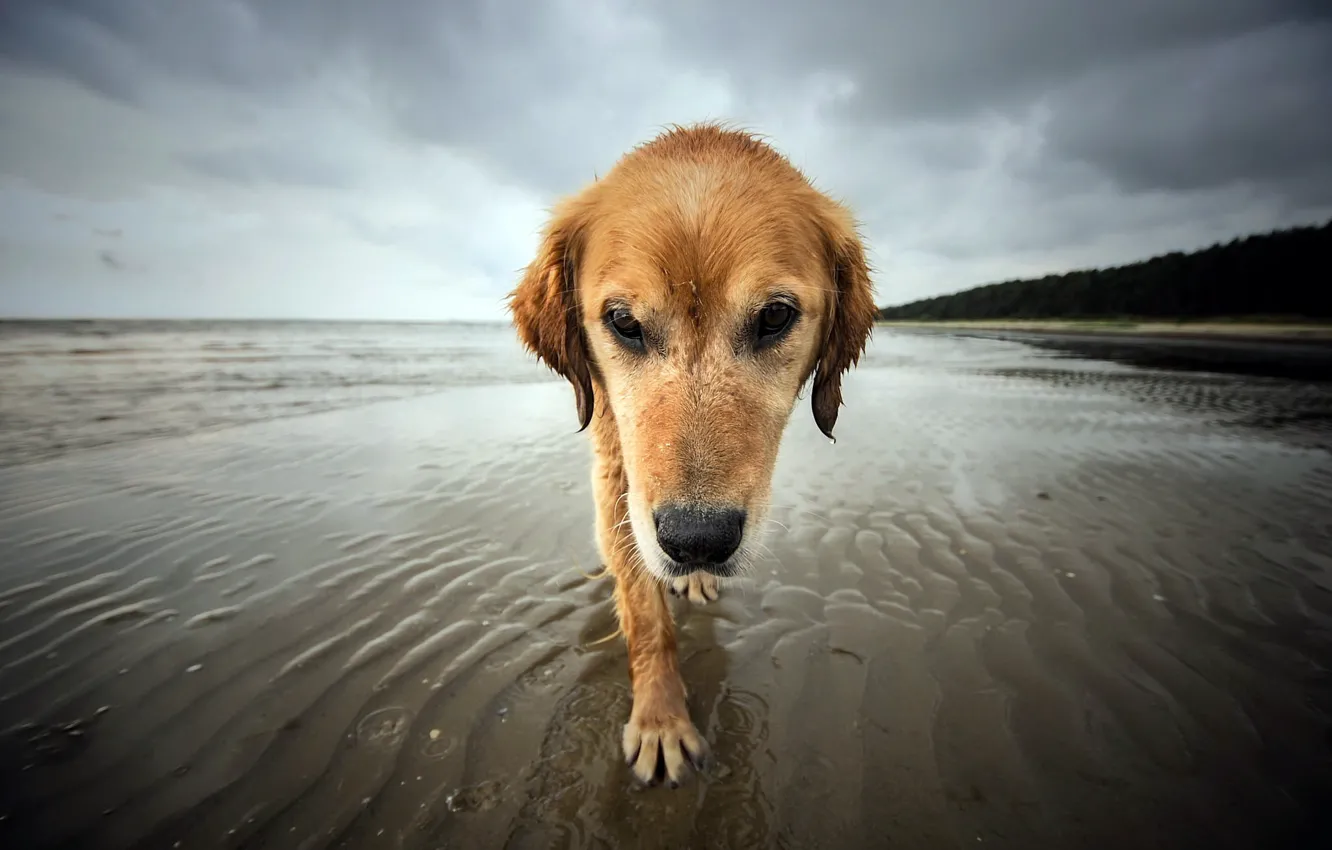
<point>1277,354</point>
<point>368,628</point>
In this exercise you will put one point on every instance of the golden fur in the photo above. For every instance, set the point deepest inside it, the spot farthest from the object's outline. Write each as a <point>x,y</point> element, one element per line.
<point>686,240</point>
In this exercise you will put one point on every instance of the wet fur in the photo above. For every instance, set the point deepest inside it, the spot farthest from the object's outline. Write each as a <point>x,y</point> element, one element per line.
<point>695,231</point>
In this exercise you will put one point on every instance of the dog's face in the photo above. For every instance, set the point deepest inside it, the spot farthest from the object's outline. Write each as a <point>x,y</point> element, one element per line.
<point>689,295</point>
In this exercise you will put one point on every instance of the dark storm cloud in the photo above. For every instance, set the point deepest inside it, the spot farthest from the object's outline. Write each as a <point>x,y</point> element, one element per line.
<point>963,131</point>
<point>1158,94</point>
<point>954,57</point>
<point>114,47</point>
<point>1255,108</point>
<point>512,82</point>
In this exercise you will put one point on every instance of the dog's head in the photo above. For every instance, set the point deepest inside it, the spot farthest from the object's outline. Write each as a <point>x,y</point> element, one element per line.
<point>689,294</point>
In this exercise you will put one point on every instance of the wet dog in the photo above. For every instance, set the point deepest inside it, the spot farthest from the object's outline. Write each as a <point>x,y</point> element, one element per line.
<point>688,296</point>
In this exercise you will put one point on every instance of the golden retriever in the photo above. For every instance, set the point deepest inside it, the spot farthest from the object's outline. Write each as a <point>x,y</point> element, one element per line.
<point>688,295</point>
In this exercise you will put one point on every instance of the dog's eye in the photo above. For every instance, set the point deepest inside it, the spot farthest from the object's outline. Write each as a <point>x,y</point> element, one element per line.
<point>625,326</point>
<point>774,318</point>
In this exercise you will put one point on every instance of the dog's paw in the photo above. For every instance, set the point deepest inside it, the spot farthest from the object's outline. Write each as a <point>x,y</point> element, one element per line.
<point>698,587</point>
<point>663,745</point>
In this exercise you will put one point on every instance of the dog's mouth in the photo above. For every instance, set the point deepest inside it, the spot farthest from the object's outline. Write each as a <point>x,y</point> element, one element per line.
<point>678,569</point>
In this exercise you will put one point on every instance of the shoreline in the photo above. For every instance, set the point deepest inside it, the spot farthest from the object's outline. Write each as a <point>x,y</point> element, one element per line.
<point>1211,331</point>
<point>1300,353</point>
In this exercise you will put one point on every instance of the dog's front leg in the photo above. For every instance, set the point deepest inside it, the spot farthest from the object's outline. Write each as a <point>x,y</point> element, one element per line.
<point>659,731</point>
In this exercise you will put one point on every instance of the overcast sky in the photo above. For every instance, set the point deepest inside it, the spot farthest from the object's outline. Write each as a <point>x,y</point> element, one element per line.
<point>394,159</point>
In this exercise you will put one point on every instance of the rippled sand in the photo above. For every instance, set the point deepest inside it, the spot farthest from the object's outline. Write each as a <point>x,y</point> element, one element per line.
<point>1024,602</point>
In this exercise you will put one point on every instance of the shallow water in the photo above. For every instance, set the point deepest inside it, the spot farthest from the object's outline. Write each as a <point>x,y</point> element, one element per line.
<point>76,385</point>
<point>1025,600</point>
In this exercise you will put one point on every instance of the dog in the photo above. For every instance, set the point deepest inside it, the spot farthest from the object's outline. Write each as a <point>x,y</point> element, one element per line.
<point>689,295</point>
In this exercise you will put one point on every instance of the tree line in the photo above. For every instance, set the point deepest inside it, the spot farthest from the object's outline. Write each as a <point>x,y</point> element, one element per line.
<point>1283,274</point>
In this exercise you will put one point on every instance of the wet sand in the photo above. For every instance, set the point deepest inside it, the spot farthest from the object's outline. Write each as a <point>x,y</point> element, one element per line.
<point>1202,329</point>
<point>1027,600</point>
<point>1278,354</point>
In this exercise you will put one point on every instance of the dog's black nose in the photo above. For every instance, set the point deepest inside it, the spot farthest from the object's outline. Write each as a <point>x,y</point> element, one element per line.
<point>699,535</point>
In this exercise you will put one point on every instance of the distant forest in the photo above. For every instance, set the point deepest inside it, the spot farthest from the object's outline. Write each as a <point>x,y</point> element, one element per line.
<point>1285,274</point>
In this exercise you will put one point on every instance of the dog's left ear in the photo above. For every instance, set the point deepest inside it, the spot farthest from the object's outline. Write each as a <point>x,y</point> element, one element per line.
<point>545,304</point>
<point>851,314</point>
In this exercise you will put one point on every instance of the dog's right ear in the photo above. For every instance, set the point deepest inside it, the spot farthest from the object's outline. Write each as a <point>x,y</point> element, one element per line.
<point>545,304</point>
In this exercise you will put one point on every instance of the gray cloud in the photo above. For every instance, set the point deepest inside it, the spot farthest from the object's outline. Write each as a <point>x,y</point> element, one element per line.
<point>977,140</point>
<point>269,165</point>
<point>956,57</point>
<point>110,260</point>
<point>113,47</point>
<point>1255,109</point>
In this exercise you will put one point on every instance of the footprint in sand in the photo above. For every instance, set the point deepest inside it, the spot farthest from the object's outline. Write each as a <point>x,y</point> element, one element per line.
<point>384,728</point>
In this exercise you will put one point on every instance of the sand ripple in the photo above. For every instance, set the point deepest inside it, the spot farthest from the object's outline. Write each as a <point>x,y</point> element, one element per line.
<point>1016,604</point>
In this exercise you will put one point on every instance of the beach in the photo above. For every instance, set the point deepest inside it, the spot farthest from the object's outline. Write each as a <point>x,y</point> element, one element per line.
<point>305,586</point>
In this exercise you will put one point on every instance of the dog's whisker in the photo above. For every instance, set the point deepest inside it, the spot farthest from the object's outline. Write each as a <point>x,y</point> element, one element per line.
<point>574,564</point>
<point>798,509</point>
<point>626,546</point>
